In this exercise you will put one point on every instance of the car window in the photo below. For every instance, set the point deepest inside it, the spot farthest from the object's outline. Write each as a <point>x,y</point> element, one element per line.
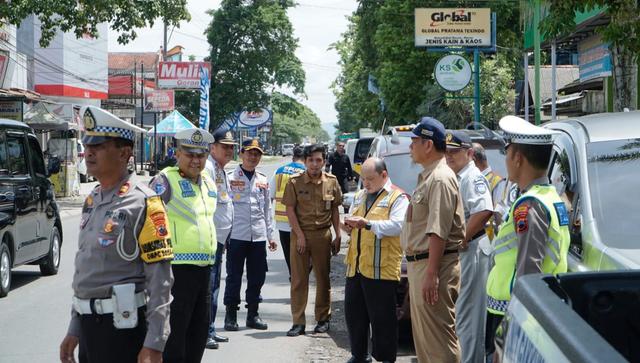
<point>37,161</point>
<point>403,171</point>
<point>362,149</point>
<point>16,159</point>
<point>4,165</point>
<point>612,168</point>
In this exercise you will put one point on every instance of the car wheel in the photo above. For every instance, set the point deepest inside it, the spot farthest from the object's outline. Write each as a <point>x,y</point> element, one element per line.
<point>5,270</point>
<point>50,264</point>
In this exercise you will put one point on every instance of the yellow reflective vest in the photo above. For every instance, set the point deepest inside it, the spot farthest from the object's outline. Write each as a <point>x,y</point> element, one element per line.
<point>190,213</point>
<point>372,257</point>
<point>283,174</point>
<point>502,276</point>
<point>493,179</point>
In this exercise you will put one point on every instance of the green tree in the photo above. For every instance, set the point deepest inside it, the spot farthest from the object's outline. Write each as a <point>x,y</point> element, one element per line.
<point>293,121</point>
<point>188,104</point>
<point>252,53</point>
<point>622,31</point>
<point>82,17</point>
<point>380,43</point>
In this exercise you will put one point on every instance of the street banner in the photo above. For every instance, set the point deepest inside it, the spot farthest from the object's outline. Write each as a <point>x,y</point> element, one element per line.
<point>453,27</point>
<point>181,75</point>
<point>205,85</point>
<point>159,100</point>
<point>594,58</point>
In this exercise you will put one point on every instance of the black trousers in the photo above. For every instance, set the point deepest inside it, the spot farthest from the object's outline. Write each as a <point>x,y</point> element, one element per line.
<point>285,242</point>
<point>101,342</point>
<point>255,255</point>
<point>491,327</point>
<point>372,303</point>
<point>190,310</point>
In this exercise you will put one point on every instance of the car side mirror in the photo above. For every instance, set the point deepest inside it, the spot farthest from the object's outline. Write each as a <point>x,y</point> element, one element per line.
<point>54,165</point>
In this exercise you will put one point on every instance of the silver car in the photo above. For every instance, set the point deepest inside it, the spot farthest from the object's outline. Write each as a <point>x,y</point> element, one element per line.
<point>595,167</point>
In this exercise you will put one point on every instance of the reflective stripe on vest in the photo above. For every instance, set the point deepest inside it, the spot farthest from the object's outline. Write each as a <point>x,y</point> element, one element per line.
<point>502,276</point>
<point>283,175</point>
<point>190,213</point>
<point>371,256</point>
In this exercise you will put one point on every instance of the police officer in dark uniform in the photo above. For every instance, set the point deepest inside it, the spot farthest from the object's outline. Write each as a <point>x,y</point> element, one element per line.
<point>122,280</point>
<point>340,166</point>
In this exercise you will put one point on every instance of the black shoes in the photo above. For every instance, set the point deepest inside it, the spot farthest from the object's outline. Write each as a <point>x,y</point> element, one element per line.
<point>219,338</point>
<point>360,360</point>
<point>231,319</point>
<point>322,327</point>
<point>256,322</point>
<point>211,343</point>
<point>296,330</point>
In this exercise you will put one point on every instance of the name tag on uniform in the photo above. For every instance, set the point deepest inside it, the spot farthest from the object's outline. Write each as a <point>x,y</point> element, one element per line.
<point>328,200</point>
<point>213,194</point>
<point>563,216</point>
<point>187,189</point>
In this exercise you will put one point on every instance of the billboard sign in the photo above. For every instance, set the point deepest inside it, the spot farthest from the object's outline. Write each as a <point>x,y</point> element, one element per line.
<point>11,110</point>
<point>594,58</point>
<point>255,118</point>
<point>453,27</point>
<point>159,100</point>
<point>181,75</point>
<point>453,72</point>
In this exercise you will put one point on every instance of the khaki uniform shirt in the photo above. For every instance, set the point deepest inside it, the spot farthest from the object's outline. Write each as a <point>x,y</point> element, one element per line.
<point>313,199</point>
<point>436,207</point>
<point>124,239</point>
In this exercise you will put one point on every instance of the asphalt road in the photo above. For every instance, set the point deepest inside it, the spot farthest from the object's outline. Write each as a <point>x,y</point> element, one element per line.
<point>35,315</point>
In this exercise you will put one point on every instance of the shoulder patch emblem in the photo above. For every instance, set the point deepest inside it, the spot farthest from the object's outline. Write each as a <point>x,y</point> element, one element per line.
<point>480,185</point>
<point>520,218</point>
<point>154,238</point>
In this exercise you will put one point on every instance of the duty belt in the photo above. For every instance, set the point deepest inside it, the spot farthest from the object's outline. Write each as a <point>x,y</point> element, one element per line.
<point>422,256</point>
<point>102,306</point>
<point>478,235</point>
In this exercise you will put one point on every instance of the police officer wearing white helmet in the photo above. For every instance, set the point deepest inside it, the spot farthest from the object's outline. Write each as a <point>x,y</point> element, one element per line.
<point>122,280</point>
<point>191,196</point>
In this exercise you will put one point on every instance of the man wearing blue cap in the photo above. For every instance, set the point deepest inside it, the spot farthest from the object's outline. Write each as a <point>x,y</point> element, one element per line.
<point>252,230</point>
<point>190,196</point>
<point>122,280</point>
<point>534,237</point>
<point>474,263</point>
<point>221,154</point>
<point>433,232</point>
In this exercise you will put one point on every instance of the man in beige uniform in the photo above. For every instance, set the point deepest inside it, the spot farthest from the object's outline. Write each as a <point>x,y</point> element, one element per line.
<point>122,280</point>
<point>433,231</point>
<point>312,199</point>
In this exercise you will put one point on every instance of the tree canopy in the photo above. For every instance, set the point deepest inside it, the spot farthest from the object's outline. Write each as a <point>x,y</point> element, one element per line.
<point>379,44</point>
<point>292,121</point>
<point>253,54</point>
<point>83,16</point>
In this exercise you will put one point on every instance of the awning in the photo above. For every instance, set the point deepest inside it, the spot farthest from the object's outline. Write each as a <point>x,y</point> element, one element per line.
<point>171,124</point>
<point>51,116</point>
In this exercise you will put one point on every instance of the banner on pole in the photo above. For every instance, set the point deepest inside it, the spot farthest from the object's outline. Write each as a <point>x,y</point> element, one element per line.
<point>205,85</point>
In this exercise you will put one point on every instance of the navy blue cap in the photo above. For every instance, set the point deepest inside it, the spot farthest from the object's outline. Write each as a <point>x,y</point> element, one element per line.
<point>250,144</point>
<point>457,139</point>
<point>430,128</point>
<point>224,137</point>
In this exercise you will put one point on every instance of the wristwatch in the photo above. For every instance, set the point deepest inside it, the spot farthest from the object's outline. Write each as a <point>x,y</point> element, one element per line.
<point>368,226</point>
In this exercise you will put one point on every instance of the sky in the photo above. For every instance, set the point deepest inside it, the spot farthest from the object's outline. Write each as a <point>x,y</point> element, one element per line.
<point>317,24</point>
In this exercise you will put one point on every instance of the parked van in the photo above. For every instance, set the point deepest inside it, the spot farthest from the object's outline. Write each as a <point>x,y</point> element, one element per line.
<point>30,226</point>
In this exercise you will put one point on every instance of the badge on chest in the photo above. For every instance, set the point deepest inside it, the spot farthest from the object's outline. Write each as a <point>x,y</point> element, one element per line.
<point>186,188</point>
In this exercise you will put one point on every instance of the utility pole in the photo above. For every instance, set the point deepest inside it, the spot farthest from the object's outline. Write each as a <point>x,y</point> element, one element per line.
<point>164,44</point>
<point>536,59</point>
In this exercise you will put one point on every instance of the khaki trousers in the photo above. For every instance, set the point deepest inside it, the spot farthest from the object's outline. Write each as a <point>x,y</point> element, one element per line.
<point>318,251</point>
<point>433,326</point>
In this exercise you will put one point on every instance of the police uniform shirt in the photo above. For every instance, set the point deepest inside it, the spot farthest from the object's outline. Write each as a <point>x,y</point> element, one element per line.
<point>313,200</point>
<point>223,217</point>
<point>124,238</point>
<point>475,191</point>
<point>252,219</point>
<point>435,208</point>
<point>531,225</point>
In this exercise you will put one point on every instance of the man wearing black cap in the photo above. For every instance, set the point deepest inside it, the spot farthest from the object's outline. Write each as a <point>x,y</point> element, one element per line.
<point>252,230</point>
<point>277,186</point>
<point>474,263</point>
<point>431,236</point>
<point>122,281</point>
<point>220,154</point>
